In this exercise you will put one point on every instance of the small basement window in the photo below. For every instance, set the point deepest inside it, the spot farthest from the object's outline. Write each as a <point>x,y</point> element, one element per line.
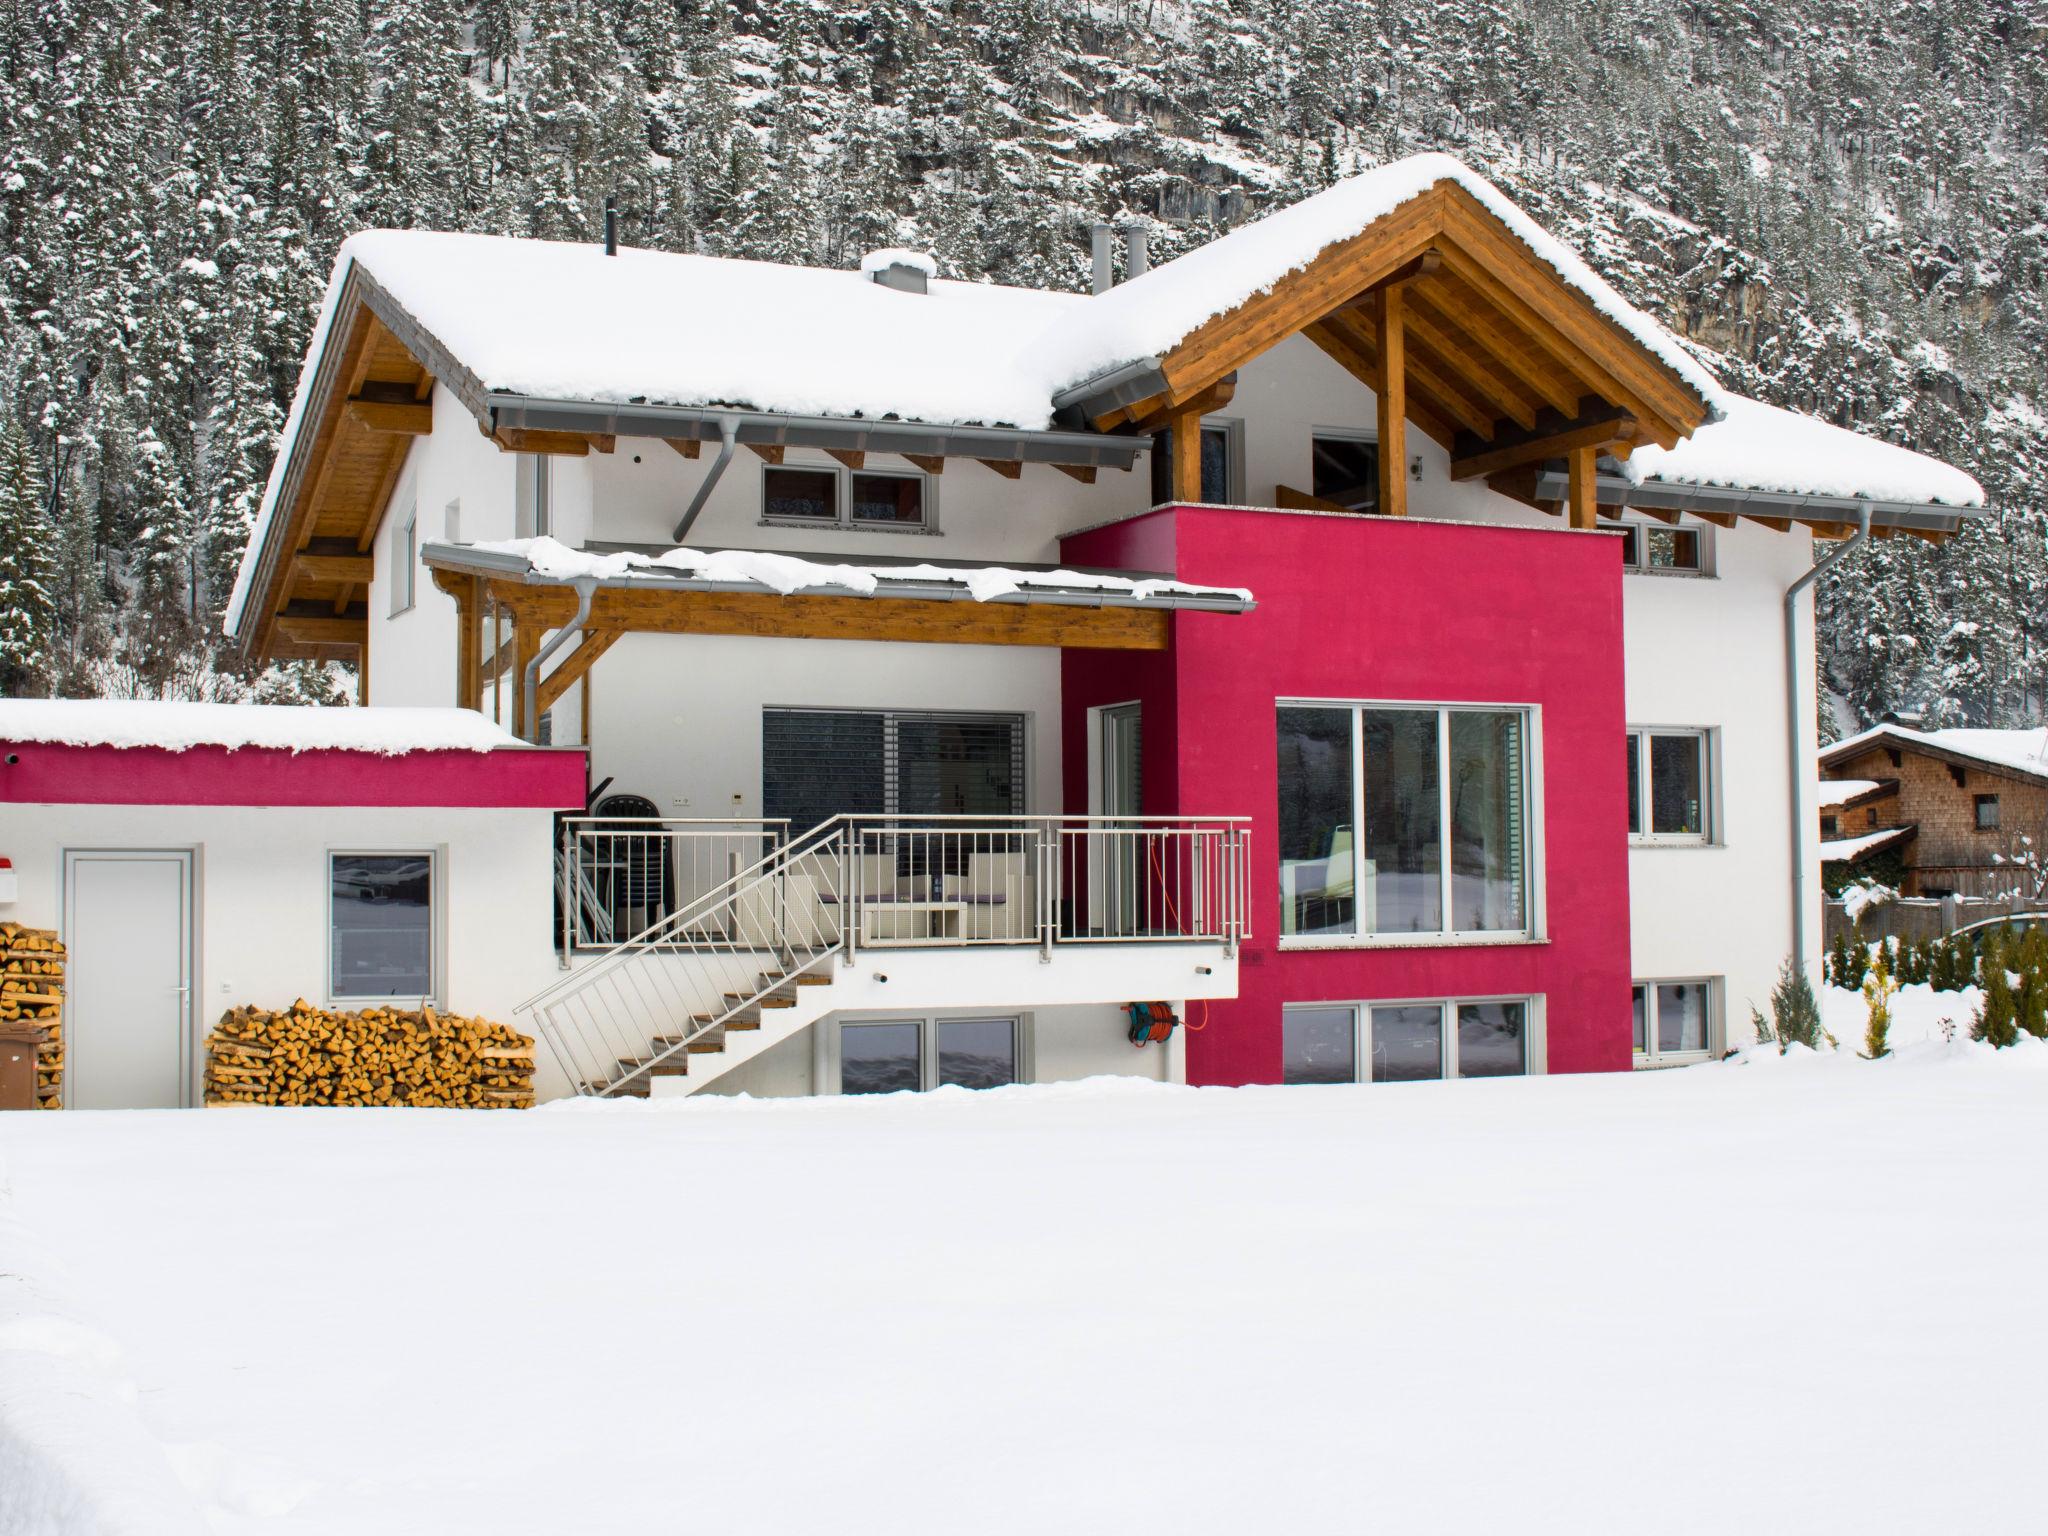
<point>1405,1042</point>
<point>917,1055</point>
<point>1674,1021</point>
<point>1987,813</point>
<point>380,925</point>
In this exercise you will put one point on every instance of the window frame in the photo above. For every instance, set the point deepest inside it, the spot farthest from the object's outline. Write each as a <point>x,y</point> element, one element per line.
<point>1231,430</point>
<point>1535,1055</point>
<point>842,519</point>
<point>1979,804</point>
<point>928,1025</point>
<point>1369,436</point>
<point>1535,926</point>
<point>533,502</point>
<point>1640,811</point>
<point>436,924</point>
<point>1635,555</point>
<point>404,553</point>
<point>1650,1057</point>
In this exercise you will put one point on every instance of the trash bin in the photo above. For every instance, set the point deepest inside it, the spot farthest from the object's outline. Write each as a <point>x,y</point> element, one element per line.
<point>18,1044</point>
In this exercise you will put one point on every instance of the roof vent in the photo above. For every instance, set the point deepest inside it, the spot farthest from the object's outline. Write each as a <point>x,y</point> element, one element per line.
<point>905,271</point>
<point>1137,250</point>
<point>1101,268</point>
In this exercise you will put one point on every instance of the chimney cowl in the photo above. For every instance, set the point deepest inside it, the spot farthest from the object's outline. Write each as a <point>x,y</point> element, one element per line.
<point>905,271</point>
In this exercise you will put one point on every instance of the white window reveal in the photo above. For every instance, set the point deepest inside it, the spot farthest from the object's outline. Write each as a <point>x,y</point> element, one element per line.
<point>381,925</point>
<point>836,497</point>
<point>1670,789</point>
<point>1674,1021</point>
<point>918,1055</point>
<point>533,501</point>
<point>1404,822</point>
<point>1406,1042</point>
<point>1658,549</point>
<point>405,560</point>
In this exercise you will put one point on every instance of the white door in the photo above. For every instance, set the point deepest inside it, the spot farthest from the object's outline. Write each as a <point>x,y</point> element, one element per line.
<point>127,1023</point>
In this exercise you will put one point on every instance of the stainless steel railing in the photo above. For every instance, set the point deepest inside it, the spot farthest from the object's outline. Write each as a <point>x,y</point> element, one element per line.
<point>616,875</point>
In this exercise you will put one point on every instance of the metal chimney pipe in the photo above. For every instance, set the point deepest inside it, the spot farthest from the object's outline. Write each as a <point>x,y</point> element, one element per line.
<point>1102,262</point>
<point>1137,258</point>
<point>611,227</point>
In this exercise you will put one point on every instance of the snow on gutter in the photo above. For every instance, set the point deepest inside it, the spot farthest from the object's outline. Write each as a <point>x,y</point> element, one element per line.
<point>547,562</point>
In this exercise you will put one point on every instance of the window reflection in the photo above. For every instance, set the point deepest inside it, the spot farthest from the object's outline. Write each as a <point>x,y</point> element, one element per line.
<point>1317,1045</point>
<point>1407,1043</point>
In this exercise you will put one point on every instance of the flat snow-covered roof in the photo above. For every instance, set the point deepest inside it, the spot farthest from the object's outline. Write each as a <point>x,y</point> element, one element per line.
<point>176,727</point>
<point>773,571</point>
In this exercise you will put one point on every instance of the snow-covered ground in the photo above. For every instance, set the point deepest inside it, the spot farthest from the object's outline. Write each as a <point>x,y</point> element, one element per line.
<point>1783,1294</point>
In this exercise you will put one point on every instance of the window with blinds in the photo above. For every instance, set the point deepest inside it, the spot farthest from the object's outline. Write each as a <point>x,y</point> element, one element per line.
<point>819,763</point>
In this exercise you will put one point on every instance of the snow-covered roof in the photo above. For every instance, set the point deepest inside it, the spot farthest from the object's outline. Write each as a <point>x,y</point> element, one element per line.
<point>2020,751</point>
<point>1758,447</point>
<point>176,727</point>
<point>772,571</point>
<point>1846,850</point>
<point>1153,313</point>
<point>1835,792</point>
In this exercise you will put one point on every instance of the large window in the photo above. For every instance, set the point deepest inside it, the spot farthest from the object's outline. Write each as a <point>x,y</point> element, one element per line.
<point>915,1055</point>
<point>835,497</point>
<point>1669,789</point>
<point>381,925</point>
<point>1345,470</point>
<point>1403,821</point>
<point>1674,1021</point>
<point>819,763</point>
<point>1405,1042</point>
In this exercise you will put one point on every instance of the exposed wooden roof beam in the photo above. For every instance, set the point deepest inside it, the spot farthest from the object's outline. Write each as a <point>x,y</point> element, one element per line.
<point>1009,469</point>
<point>688,447</point>
<point>351,568</point>
<point>1457,400</point>
<point>1085,473</point>
<point>1553,439</point>
<point>574,445</point>
<point>351,628</point>
<point>1428,264</point>
<point>769,453</point>
<point>414,418</point>
<point>595,643</point>
<point>1214,398</point>
<point>1484,373</point>
<point>930,463</point>
<point>1348,349</point>
<point>852,458</point>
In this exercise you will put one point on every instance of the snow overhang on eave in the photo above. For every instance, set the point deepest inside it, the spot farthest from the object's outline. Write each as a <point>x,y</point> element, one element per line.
<point>505,566</point>
<point>1672,496</point>
<point>764,429</point>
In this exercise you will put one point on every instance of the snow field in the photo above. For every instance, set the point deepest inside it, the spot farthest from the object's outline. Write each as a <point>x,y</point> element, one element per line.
<point>1784,1293</point>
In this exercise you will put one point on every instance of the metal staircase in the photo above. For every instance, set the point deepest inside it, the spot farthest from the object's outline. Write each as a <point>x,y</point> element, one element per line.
<point>749,962</point>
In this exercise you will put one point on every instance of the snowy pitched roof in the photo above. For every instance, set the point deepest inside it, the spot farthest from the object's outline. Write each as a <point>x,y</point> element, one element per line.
<point>785,574</point>
<point>1847,850</point>
<point>2023,752</point>
<point>1758,447</point>
<point>177,727</point>
<point>1834,792</point>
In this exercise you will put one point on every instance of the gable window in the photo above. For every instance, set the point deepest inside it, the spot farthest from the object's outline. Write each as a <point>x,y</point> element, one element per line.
<point>836,497</point>
<point>1668,788</point>
<point>380,925</point>
<point>819,763</point>
<point>1222,464</point>
<point>405,561</point>
<point>1674,1021</point>
<point>1657,549</point>
<point>1403,821</point>
<point>1987,813</point>
<point>1406,1042</point>
<point>1345,470</point>
<point>918,1055</point>
<point>533,496</point>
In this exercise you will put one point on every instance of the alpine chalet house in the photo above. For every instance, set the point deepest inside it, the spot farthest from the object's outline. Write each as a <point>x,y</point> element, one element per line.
<point>1367,643</point>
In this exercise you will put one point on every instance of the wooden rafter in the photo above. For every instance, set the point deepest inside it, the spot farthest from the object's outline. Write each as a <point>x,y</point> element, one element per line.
<point>574,445</point>
<point>1353,352</point>
<point>1483,372</point>
<point>1552,439</point>
<point>930,463</point>
<point>769,453</point>
<point>1009,469</point>
<point>1085,473</point>
<point>411,418</point>
<point>688,447</point>
<point>1208,401</point>
<point>351,569</point>
<point>852,458</point>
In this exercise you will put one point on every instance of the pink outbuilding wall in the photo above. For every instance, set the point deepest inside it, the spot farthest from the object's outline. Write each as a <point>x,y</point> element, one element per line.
<point>1382,610</point>
<point>56,774</point>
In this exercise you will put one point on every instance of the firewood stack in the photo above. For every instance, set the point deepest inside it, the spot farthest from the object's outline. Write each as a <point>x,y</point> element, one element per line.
<point>32,989</point>
<point>308,1055</point>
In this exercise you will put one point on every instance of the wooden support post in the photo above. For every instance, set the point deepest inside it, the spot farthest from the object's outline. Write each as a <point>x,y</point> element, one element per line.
<point>363,674</point>
<point>1184,443</point>
<point>1390,385</point>
<point>1582,498</point>
<point>469,643</point>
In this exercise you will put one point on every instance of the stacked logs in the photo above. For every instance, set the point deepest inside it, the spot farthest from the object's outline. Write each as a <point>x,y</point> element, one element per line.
<point>32,990</point>
<point>308,1055</point>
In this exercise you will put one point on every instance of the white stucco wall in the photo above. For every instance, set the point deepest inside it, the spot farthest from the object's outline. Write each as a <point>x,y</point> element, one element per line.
<point>262,892</point>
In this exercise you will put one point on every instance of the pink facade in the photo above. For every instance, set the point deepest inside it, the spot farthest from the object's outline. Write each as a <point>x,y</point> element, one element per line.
<point>43,773</point>
<point>1382,610</point>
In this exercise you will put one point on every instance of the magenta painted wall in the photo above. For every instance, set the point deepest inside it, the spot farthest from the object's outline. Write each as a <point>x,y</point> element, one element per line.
<point>49,774</point>
<point>1383,609</point>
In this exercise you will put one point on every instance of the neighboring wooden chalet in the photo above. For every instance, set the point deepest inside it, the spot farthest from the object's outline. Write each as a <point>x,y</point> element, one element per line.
<point>1959,812</point>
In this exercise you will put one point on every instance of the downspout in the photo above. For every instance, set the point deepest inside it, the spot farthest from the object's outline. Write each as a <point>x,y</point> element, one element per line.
<point>728,438</point>
<point>1796,721</point>
<point>586,589</point>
